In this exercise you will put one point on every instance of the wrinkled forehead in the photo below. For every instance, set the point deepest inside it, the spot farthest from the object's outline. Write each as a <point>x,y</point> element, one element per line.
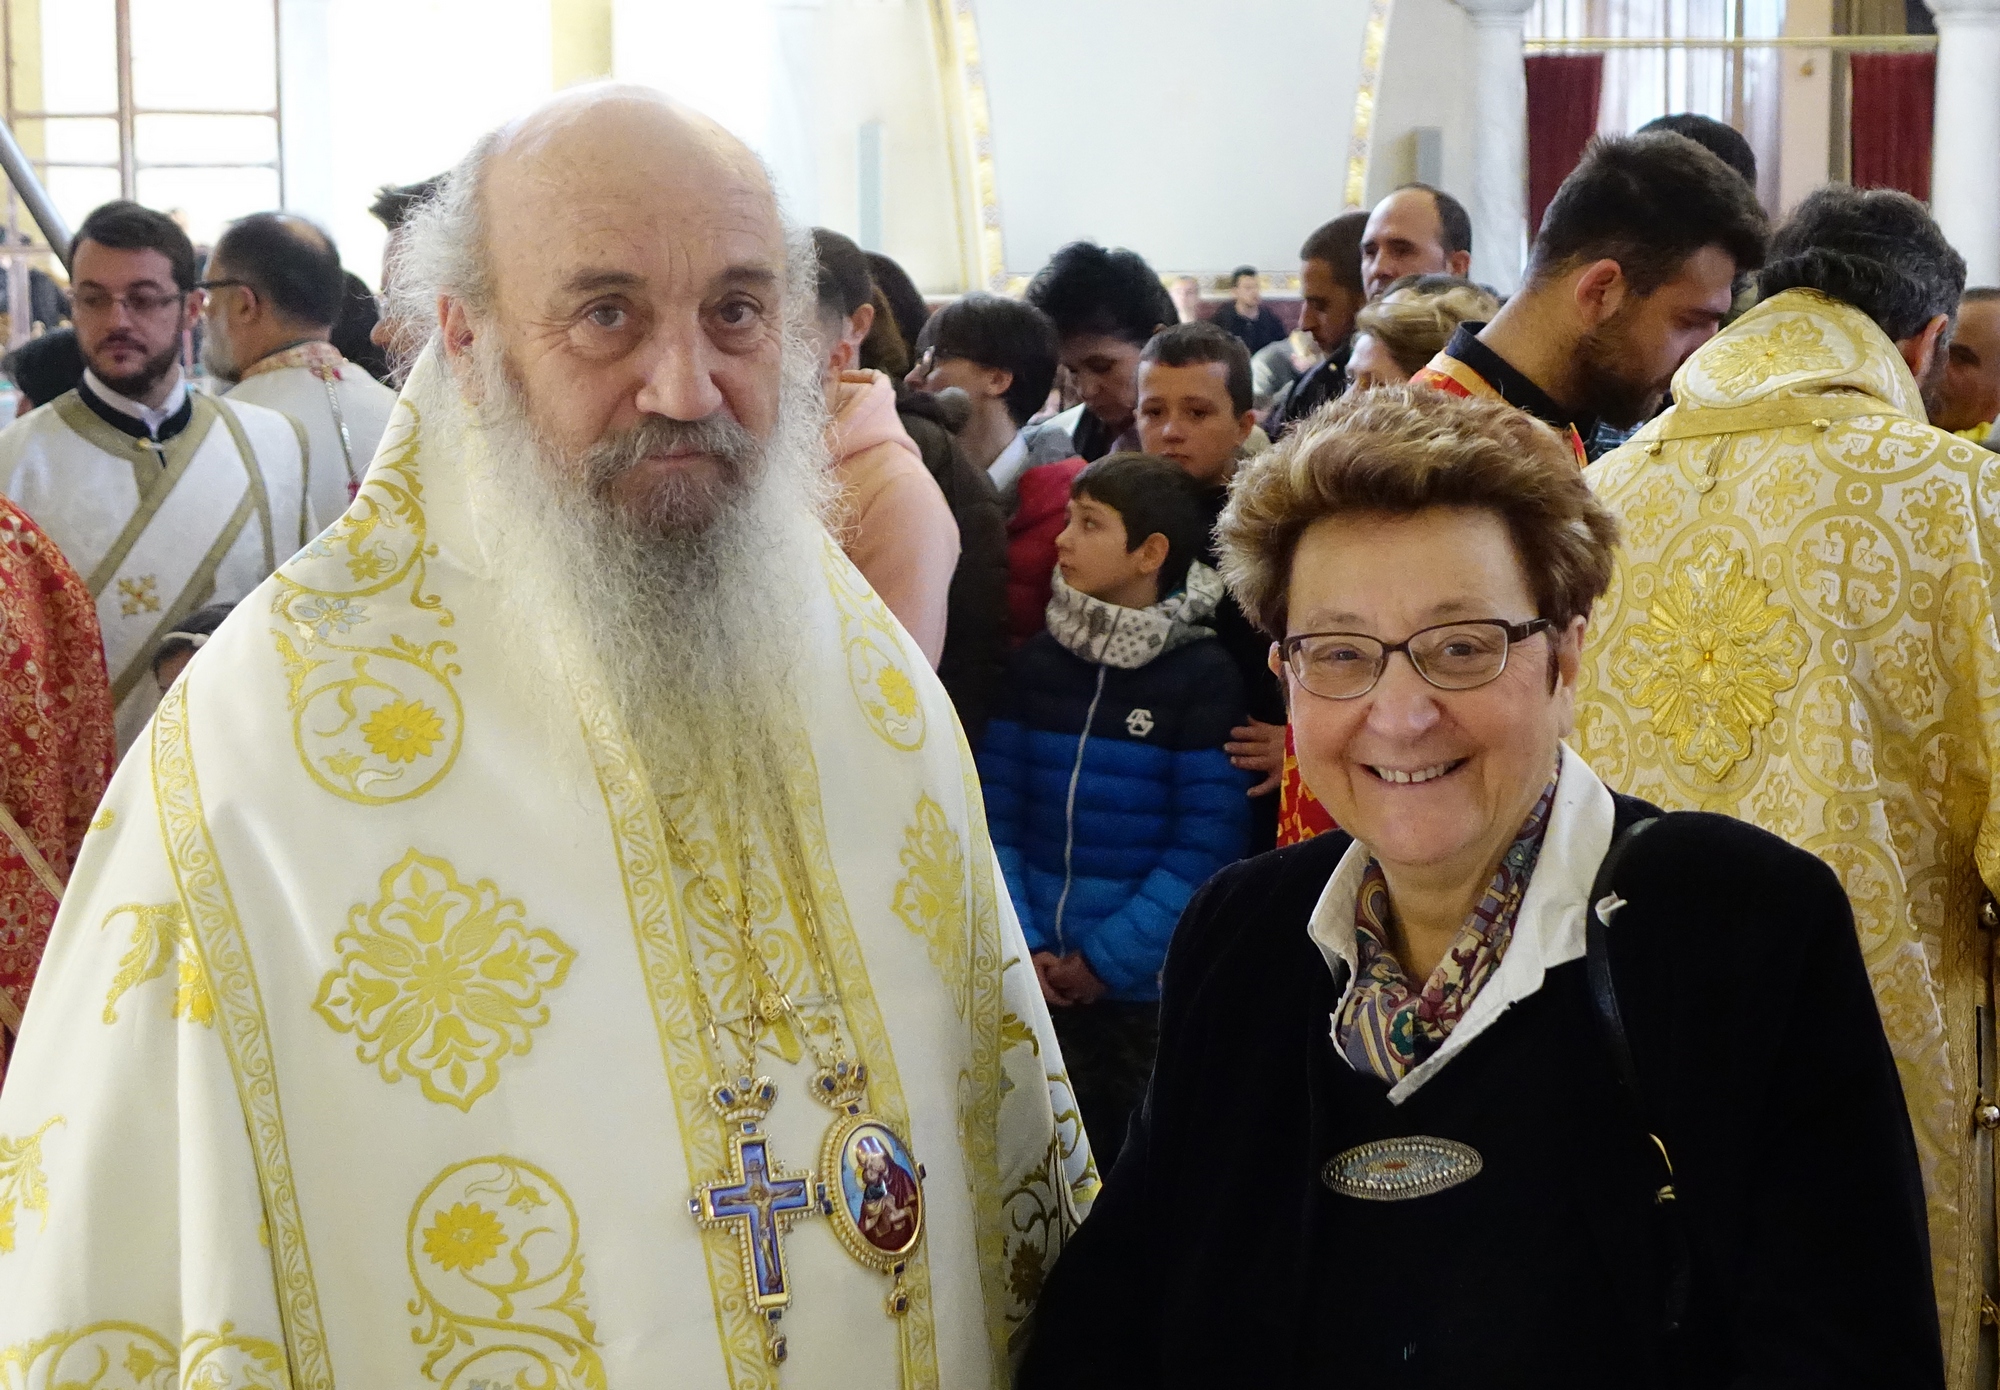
<point>670,217</point>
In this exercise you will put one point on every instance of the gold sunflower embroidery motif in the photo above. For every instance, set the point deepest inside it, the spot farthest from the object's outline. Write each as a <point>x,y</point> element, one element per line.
<point>403,730</point>
<point>1711,659</point>
<point>465,1237</point>
<point>897,691</point>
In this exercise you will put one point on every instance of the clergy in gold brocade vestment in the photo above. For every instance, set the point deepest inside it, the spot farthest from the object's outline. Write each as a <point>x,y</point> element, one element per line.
<point>1801,632</point>
<point>549,935</point>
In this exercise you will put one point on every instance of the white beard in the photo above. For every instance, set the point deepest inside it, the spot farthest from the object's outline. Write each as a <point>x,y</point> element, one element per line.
<point>694,630</point>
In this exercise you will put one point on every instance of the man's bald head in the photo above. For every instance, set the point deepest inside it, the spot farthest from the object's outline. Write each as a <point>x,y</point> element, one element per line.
<point>1417,230</point>
<point>290,264</point>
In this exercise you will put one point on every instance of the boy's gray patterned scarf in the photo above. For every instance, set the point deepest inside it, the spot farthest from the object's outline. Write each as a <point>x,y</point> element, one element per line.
<point>1128,638</point>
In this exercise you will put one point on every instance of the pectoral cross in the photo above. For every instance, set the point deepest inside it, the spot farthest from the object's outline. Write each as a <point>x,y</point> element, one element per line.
<point>755,1203</point>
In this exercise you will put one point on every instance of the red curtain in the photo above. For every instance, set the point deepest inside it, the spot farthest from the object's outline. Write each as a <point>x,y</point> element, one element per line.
<point>1893,94</point>
<point>1562,116</point>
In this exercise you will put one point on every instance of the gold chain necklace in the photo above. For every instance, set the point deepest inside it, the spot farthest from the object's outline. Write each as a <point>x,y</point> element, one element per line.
<point>866,1182</point>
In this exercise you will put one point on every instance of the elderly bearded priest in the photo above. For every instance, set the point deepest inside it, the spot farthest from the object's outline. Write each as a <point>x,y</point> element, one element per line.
<point>550,930</point>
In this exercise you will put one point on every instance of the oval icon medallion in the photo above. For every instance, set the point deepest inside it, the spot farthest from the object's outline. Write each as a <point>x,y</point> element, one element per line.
<point>1397,1170</point>
<point>876,1191</point>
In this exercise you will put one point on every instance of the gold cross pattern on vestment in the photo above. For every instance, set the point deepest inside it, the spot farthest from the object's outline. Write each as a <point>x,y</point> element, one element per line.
<point>756,1202</point>
<point>139,595</point>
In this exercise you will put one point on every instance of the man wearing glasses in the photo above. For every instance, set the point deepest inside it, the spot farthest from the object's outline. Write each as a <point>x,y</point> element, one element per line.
<point>162,498</point>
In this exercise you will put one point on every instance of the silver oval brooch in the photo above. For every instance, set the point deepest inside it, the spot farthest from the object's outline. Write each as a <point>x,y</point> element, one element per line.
<point>1397,1170</point>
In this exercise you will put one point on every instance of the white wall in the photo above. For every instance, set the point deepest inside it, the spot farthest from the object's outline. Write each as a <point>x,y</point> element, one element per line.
<point>411,84</point>
<point>796,80</point>
<point>1425,80</point>
<point>1200,133</point>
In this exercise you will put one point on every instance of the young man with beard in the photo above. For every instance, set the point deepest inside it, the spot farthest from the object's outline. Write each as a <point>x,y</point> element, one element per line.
<point>552,880</point>
<point>1799,632</point>
<point>163,498</point>
<point>1633,269</point>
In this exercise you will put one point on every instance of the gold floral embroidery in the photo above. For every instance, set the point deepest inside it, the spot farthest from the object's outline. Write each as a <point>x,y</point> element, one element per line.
<point>465,1237</point>
<point>440,979</point>
<point>1711,659</point>
<point>1739,365</point>
<point>897,692</point>
<point>403,730</point>
<point>160,934</point>
<point>127,1356</point>
<point>495,1254</point>
<point>103,819</point>
<point>375,715</point>
<point>23,1185</point>
<point>877,668</point>
<point>226,1360</point>
<point>930,899</point>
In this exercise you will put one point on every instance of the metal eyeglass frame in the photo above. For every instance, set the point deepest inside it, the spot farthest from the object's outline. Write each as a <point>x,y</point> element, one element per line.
<point>1514,632</point>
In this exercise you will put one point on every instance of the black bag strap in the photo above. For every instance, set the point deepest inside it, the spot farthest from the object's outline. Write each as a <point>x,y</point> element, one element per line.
<point>1604,905</point>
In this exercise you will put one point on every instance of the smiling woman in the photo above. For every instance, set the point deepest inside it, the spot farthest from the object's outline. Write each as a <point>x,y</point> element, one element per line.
<point>1488,1023</point>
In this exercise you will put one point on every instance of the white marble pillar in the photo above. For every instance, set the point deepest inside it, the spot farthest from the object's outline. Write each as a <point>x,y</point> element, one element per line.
<point>1965,148</point>
<point>1499,142</point>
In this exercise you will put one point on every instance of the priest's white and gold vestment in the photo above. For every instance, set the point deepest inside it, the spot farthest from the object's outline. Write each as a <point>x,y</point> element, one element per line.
<point>158,530</point>
<point>368,1049</point>
<point>1800,632</point>
<point>340,408</point>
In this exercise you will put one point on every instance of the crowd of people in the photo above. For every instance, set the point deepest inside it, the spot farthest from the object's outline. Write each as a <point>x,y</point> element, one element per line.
<point>1631,983</point>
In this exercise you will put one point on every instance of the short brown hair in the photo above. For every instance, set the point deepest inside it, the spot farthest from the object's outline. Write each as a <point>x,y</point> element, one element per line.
<point>1401,450</point>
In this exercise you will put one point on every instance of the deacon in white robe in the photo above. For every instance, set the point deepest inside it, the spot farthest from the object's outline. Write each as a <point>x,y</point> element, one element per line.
<point>162,510</point>
<point>275,288</point>
<point>549,935</point>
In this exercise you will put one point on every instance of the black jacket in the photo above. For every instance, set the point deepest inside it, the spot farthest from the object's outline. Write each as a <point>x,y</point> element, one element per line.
<point>1216,1255</point>
<point>975,628</point>
<point>1250,648</point>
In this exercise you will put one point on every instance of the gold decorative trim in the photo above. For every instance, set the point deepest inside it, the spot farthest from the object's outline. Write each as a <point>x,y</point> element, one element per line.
<point>224,951</point>
<point>979,1115</point>
<point>257,489</point>
<point>662,946</point>
<point>957,26</point>
<point>864,1019</point>
<point>1373,35</point>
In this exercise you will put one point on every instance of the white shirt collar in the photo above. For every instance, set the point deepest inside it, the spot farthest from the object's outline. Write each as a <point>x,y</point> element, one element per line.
<point>1548,931</point>
<point>1005,469</point>
<point>152,418</point>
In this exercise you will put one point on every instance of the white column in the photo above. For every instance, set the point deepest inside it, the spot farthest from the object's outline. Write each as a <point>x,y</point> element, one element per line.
<point>1499,142</point>
<point>1965,145</point>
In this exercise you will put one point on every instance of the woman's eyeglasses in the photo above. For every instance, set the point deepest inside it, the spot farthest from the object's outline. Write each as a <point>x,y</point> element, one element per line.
<point>1451,656</point>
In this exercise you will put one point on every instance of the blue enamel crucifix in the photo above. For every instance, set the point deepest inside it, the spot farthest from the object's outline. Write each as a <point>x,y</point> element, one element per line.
<point>756,1203</point>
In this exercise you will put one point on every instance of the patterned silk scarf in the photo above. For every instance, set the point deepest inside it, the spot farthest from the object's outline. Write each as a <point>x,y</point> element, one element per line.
<point>1388,1027</point>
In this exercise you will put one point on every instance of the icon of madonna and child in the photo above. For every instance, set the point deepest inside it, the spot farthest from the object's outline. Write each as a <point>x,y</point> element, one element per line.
<point>878,1183</point>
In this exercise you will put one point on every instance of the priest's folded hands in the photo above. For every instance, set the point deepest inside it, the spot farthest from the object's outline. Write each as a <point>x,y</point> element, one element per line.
<point>1514,1080</point>
<point>549,934</point>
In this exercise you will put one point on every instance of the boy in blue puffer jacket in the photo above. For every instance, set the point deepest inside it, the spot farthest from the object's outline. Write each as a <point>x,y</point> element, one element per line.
<point>1107,789</point>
